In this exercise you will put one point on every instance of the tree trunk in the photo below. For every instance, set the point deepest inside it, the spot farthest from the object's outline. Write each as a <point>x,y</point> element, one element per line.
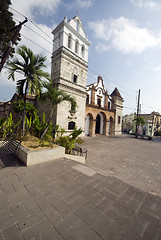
<point>47,127</point>
<point>24,111</point>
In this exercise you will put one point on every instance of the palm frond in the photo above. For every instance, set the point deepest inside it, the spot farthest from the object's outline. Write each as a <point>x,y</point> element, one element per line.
<point>20,86</point>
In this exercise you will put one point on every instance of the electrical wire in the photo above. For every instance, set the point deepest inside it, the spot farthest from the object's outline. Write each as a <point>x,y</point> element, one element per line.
<point>38,34</point>
<point>31,22</point>
<point>35,43</point>
<point>34,31</point>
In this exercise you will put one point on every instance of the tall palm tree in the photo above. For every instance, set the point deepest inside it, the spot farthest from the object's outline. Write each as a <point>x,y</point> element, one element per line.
<point>55,96</point>
<point>31,68</point>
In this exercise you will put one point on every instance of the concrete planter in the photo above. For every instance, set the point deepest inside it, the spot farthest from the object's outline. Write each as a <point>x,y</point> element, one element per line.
<point>44,155</point>
<point>39,156</point>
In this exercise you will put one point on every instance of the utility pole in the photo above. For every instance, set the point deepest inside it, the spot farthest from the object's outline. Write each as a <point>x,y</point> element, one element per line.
<point>138,107</point>
<point>13,40</point>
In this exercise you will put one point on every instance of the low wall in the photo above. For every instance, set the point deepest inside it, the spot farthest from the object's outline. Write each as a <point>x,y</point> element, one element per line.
<point>40,156</point>
<point>44,155</point>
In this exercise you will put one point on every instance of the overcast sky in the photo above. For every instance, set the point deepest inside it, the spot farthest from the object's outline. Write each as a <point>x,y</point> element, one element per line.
<point>125,49</point>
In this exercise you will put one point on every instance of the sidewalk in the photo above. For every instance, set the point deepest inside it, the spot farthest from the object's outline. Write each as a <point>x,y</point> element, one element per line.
<point>67,200</point>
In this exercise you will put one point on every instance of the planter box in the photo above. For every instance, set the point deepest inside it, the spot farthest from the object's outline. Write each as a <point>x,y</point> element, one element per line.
<point>39,156</point>
<point>44,155</point>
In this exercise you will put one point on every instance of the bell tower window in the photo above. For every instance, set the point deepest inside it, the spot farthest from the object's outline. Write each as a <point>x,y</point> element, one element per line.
<point>83,51</point>
<point>70,41</point>
<point>75,77</point>
<point>76,46</point>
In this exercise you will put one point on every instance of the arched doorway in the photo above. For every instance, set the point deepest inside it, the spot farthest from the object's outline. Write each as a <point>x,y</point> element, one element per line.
<point>99,124</point>
<point>98,121</point>
<point>110,126</point>
<point>89,124</point>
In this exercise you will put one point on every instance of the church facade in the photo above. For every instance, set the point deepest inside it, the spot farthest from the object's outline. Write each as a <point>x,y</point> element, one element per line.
<point>103,111</point>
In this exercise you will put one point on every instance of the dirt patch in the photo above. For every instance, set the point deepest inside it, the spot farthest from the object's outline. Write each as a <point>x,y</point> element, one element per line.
<point>33,144</point>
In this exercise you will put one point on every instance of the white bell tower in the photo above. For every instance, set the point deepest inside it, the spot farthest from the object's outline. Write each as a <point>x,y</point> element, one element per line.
<point>69,70</point>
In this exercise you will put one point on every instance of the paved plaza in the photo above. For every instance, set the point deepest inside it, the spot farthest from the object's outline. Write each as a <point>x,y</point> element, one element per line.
<point>135,161</point>
<point>66,200</point>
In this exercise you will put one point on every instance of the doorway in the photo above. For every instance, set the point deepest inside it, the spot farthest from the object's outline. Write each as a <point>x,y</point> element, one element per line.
<point>98,124</point>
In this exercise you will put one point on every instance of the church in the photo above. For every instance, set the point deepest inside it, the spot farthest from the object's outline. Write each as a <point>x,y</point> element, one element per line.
<point>97,112</point>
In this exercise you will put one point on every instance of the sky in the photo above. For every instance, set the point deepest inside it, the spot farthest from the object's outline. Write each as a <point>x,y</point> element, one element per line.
<point>125,39</point>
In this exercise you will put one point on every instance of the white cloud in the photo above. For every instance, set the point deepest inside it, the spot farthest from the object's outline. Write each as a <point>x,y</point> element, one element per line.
<point>128,62</point>
<point>27,7</point>
<point>156,68</point>
<point>79,4</point>
<point>84,3</point>
<point>152,5</point>
<point>124,35</point>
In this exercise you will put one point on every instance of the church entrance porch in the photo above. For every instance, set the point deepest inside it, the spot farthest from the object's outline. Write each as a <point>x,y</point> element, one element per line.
<point>97,122</point>
<point>100,124</point>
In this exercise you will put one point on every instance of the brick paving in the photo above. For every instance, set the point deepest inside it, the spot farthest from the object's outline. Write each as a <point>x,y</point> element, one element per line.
<point>135,161</point>
<point>63,199</point>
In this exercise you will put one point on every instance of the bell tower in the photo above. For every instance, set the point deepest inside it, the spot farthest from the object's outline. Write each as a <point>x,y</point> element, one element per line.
<point>69,70</point>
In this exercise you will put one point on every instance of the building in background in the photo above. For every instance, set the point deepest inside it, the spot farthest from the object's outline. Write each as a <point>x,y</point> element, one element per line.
<point>152,124</point>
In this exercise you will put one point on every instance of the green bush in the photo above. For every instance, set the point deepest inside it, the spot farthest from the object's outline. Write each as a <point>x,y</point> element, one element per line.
<point>68,141</point>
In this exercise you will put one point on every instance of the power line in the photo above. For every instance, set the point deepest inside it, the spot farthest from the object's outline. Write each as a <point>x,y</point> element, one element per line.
<point>31,22</point>
<point>128,95</point>
<point>110,80</point>
<point>38,34</point>
<point>35,43</point>
<point>133,108</point>
<point>34,32</point>
<point>146,106</point>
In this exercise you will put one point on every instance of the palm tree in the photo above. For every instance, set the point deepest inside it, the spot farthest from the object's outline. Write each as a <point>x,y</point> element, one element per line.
<point>139,120</point>
<point>31,69</point>
<point>55,96</point>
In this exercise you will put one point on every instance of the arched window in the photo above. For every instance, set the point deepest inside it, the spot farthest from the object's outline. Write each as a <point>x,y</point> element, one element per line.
<point>75,77</point>
<point>71,125</point>
<point>83,51</point>
<point>76,46</point>
<point>87,99</point>
<point>99,102</point>
<point>70,41</point>
<point>109,105</point>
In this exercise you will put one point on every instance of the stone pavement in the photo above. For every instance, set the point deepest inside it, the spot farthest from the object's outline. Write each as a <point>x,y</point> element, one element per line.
<point>66,200</point>
<point>135,161</point>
